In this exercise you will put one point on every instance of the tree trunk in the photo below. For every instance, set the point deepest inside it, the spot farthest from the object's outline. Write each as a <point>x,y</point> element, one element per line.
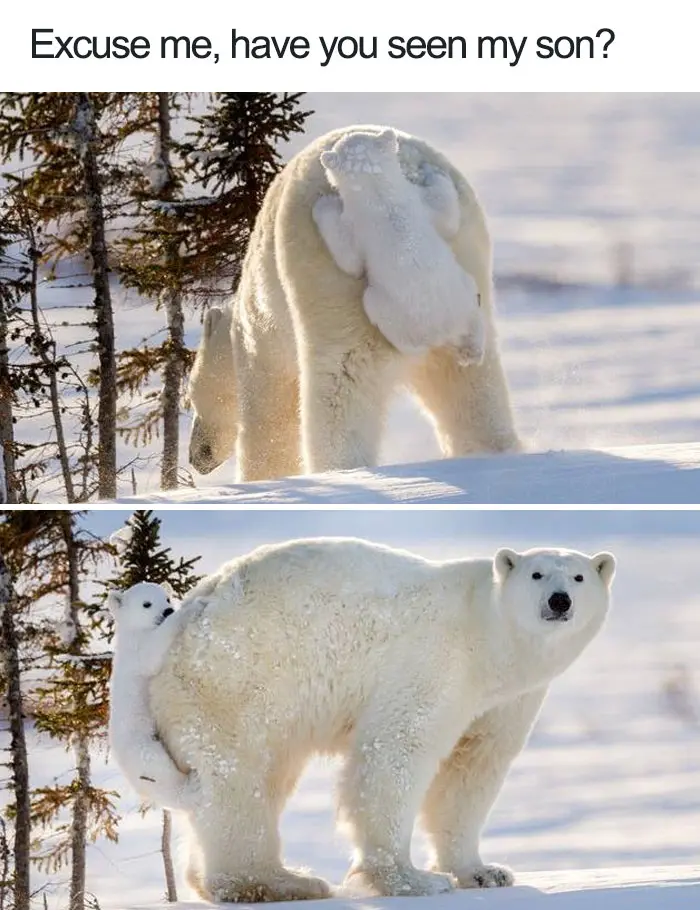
<point>107,411</point>
<point>174,362</point>
<point>8,490</point>
<point>81,804</point>
<point>49,363</point>
<point>166,849</point>
<point>79,825</point>
<point>172,384</point>
<point>18,743</point>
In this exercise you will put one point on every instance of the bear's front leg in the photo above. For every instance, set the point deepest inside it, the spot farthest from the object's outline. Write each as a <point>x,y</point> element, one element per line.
<point>395,755</point>
<point>464,790</point>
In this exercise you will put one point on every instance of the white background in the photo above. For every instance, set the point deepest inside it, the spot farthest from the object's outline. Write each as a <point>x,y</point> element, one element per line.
<point>654,46</point>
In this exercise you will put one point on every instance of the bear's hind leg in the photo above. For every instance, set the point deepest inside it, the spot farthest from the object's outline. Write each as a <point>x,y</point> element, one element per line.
<point>461,795</point>
<point>394,757</point>
<point>469,403</point>
<point>238,844</point>
<point>345,393</point>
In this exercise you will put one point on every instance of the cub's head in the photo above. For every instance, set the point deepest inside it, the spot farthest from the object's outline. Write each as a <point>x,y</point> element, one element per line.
<point>361,155</point>
<point>142,607</point>
<point>212,394</point>
<point>554,592</point>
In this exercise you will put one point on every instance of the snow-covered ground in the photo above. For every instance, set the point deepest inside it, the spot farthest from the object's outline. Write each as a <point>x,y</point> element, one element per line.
<point>594,204</point>
<point>663,474</point>
<point>610,780</point>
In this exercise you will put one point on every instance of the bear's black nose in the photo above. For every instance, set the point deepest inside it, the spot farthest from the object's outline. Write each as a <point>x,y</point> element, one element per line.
<point>559,602</point>
<point>167,611</point>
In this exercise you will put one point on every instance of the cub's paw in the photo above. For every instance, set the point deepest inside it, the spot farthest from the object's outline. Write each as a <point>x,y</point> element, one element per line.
<point>489,876</point>
<point>470,352</point>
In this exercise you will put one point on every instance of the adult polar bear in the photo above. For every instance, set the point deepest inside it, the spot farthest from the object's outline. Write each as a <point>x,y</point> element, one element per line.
<point>426,676</point>
<point>303,384</point>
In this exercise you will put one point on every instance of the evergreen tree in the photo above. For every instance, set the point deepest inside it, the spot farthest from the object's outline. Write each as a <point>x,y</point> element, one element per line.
<point>233,153</point>
<point>51,557</point>
<point>74,184</point>
<point>37,381</point>
<point>143,558</point>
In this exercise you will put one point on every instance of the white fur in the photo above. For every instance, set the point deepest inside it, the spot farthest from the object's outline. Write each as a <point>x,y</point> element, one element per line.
<point>426,676</point>
<point>297,379</point>
<point>145,628</point>
<point>381,226</point>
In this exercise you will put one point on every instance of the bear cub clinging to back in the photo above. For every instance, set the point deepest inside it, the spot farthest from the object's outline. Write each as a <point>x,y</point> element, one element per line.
<point>146,624</point>
<point>396,233</point>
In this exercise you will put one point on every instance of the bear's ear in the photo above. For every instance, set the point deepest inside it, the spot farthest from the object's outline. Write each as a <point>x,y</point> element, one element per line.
<point>504,562</point>
<point>114,602</point>
<point>167,587</point>
<point>211,320</point>
<point>388,140</point>
<point>330,160</point>
<point>604,564</point>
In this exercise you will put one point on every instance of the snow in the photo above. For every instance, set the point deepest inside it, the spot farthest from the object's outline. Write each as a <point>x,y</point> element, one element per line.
<point>664,889</point>
<point>606,796</point>
<point>633,474</point>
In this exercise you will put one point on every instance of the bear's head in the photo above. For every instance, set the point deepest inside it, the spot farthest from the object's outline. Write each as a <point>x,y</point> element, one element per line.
<point>554,592</point>
<point>362,156</point>
<point>212,394</point>
<point>142,607</point>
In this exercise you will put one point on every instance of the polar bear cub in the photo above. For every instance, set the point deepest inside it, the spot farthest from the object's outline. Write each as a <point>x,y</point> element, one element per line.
<point>394,231</point>
<point>425,676</point>
<point>145,629</point>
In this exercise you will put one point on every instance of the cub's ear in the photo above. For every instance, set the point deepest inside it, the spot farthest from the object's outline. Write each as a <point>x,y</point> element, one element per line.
<point>504,562</point>
<point>167,587</point>
<point>388,140</point>
<point>604,564</point>
<point>114,602</point>
<point>211,320</point>
<point>330,160</point>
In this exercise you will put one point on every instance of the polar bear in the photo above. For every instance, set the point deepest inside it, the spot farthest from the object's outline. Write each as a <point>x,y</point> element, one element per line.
<point>383,226</point>
<point>426,676</point>
<point>143,638</point>
<point>294,377</point>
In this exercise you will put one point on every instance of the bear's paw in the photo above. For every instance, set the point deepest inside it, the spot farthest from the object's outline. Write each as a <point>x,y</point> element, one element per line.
<point>487,876</point>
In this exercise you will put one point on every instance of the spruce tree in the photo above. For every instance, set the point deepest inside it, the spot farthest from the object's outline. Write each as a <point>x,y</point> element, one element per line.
<point>144,558</point>
<point>74,184</point>
<point>52,557</point>
<point>233,152</point>
<point>37,381</point>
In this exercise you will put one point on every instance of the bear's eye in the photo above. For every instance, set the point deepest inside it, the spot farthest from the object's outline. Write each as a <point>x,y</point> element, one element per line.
<point>578,577</point>
<point>537,575</point>
<point>147,604</point>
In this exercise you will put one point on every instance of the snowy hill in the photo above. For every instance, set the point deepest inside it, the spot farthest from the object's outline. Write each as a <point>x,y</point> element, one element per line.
<point>628,474</point>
